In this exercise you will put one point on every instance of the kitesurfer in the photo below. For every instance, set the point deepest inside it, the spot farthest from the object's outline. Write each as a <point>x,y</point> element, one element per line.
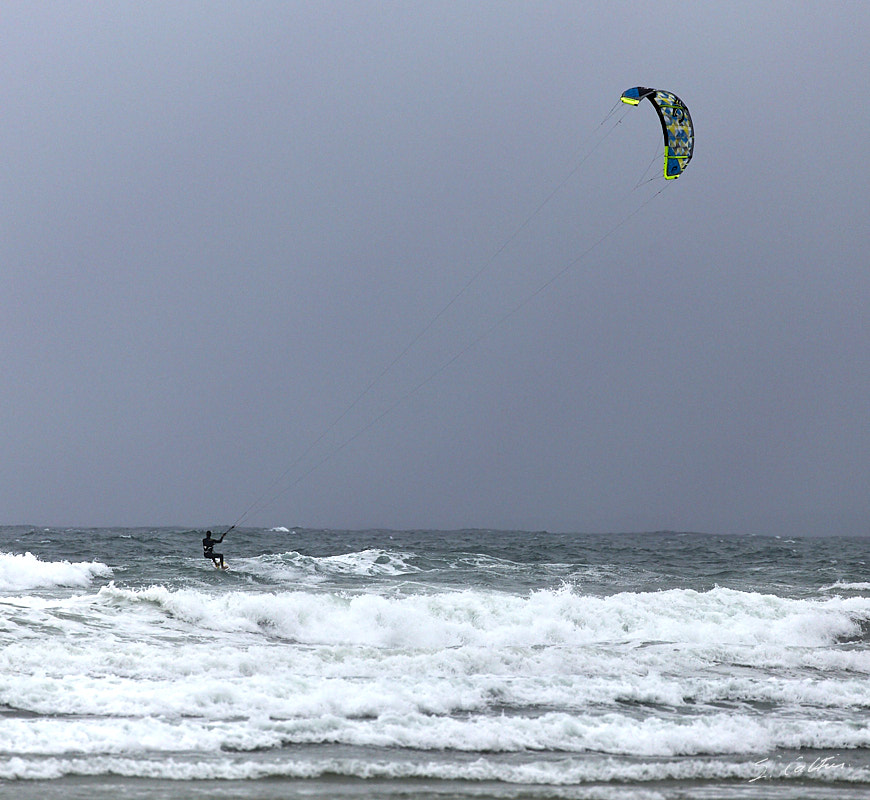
<point>208,550</point>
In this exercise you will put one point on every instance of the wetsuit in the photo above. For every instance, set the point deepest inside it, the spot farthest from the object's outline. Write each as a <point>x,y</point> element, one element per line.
<point>208,548</point>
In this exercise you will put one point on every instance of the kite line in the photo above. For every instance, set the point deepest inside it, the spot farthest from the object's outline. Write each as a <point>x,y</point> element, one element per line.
<point>279,486</point>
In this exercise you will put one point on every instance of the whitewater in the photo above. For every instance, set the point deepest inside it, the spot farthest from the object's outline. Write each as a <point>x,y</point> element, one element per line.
<point>427,664</point>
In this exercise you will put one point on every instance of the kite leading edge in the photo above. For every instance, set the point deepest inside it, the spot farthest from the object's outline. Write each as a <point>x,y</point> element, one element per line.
<point>676,126</point>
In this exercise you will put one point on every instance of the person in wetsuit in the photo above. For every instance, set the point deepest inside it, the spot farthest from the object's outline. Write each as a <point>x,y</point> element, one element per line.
<point>208,549</point>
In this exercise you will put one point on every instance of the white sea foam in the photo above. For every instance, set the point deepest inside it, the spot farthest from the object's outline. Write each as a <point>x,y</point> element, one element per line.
<point>565,771</point>
<point>543,618</point>
<point>369,562</point>
<point>365,665</point>
<point>369,669</point>
<point>298,569</point>
<point>20,572</point>
<point>860,586</point>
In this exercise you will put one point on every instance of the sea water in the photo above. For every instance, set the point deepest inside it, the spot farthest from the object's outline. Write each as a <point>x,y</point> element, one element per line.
<point>425,664</point>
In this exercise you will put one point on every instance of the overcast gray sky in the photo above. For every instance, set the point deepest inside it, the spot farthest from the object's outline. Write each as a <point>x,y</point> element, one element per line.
<point>222,220</point>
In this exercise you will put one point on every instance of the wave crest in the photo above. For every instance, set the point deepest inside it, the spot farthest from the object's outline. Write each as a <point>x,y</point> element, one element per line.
<point>24,572</point>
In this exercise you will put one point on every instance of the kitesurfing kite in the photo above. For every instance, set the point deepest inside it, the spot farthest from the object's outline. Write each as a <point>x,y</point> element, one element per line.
<point>676,126</point>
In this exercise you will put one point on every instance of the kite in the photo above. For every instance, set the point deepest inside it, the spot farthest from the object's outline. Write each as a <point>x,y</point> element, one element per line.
<point>676,126</point>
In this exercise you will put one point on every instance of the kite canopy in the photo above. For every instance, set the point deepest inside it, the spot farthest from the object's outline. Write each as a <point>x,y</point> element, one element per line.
<point>676,126</point>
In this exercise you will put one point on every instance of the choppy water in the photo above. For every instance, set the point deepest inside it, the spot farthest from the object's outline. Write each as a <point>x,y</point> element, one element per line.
<point>429,664</point>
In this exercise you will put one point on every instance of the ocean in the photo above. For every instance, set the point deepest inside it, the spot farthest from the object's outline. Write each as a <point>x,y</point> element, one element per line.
<point>427,664</point>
